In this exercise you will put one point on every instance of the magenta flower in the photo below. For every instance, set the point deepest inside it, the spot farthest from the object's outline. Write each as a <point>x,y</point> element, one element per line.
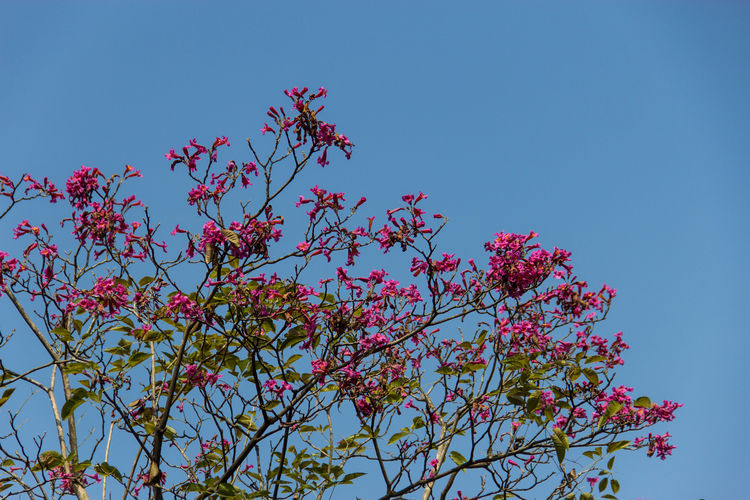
<point>81,185</point>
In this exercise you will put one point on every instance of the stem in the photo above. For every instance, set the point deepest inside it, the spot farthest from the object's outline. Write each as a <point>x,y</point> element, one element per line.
<point>106,457</point>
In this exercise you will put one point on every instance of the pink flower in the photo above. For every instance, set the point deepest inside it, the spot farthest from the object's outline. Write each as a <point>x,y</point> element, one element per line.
<point>277,387</point>
<point>658,445</point>
<point>199,378</point>
<point>172,155</point>
<point>181,304</point>
<point>106,298</point>
<point>81,186</point>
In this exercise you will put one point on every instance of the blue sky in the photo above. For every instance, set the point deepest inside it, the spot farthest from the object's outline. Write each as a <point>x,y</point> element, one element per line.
<point>616,130</point>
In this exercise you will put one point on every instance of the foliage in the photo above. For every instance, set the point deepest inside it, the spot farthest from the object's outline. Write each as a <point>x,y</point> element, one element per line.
<point>230,369</point>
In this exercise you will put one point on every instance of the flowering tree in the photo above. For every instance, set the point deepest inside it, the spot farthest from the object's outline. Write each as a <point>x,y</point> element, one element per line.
<point>251,364</point>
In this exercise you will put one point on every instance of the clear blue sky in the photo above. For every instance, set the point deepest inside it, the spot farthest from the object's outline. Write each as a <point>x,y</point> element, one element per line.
<point>616,130</point>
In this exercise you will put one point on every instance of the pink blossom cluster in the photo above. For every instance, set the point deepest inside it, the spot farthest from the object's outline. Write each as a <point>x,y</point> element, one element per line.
<point>191,153</point>
<point>659,445</point>
<point>44,188</point>
<point>212,445</point>
<point>144,481</point>
<point>81,185</point>
<point>241,239</point>
<point>516,266</point>
<point>6,183</point>
<point>195,377</point>
<point>106,298</point>
<point>457,354</point>
<point>404,229</point>
<point>336,235</point>
<point>182,304</point>
<point>306,125</point>
<point>629,414</point>
<point>7,267</point>
<point>68,480</point>
<point>277,387</point>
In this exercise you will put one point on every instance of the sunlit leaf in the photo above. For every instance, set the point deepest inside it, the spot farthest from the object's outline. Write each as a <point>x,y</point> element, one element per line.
<point>106,469</point>
<point>70,406</point>
<point>617,445</point>
<point>457,458</point>
<point>612,408</point>
<point>591,376</point>
<point>642,402</point>
<point>6,395</point>
<point>560,440</point>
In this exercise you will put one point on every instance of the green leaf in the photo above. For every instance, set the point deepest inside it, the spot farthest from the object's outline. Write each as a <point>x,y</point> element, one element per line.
<point>76,367</point>
<point>268,326</point>
<point>246,421</point>
<point>472,367</point>
<point>271,404</point>
<point>145,280</point>
<point>124,319</point>
<point>293,337</point>
<point>49,460</point>
<point>612,408</point>
<point>457,458</point>
<point>444,370</point>
<point>560,440</point>
<point>515,396</point>
<point>574,373</point>
<point>591,376</point>
<point>108,470</point>
<point>610,463</point>
<point>352,475</point>
<point>533,401</point>
<point>642,402</point>
<point>417,423</point>
<point>70,406</point>
<point>603,485</point>
<point>482,336</point>
<point>6,395</point>
<point>192,487</point>
<point>137,358</point>
<point>63,334</point>
<point>616,445</point>
<point>368,432</point>
<point>226,490</point>
<point>291,360</point>
<point>260,494</point>
<point>586,496</point>
<point>152,336</point>
<point>327,297</point>
<point>396,437</point>
<point>615,486</point>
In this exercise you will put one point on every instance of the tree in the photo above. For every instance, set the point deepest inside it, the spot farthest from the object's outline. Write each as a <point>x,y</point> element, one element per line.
<point>252,364</point>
